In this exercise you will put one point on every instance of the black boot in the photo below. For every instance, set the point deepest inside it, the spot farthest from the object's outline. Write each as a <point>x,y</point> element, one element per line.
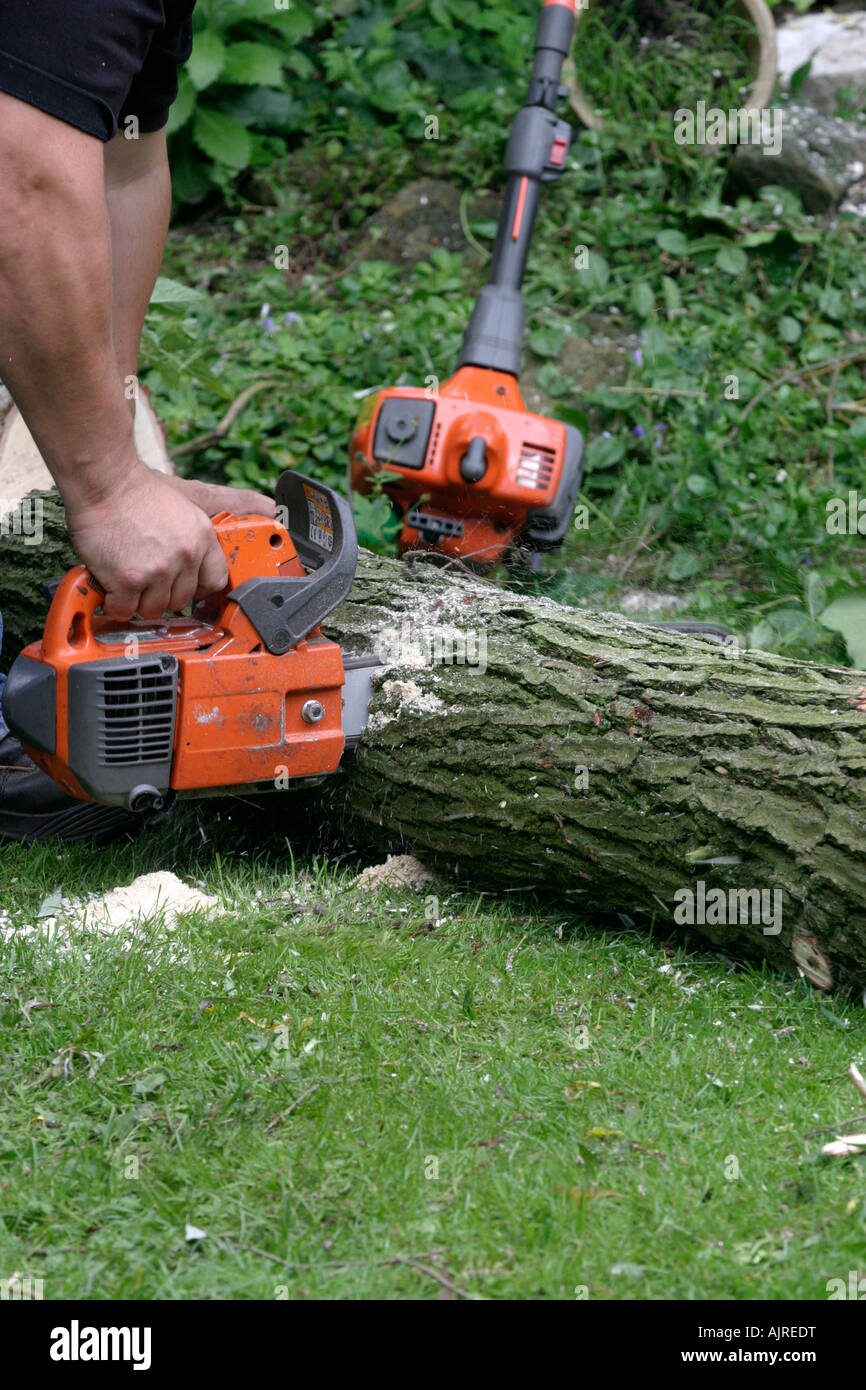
<point>34,807</point>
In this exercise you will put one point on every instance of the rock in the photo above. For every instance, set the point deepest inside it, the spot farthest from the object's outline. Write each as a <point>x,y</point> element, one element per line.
<point>836,44</point>
<point>423,215</point>
<point>822,158</point>
<point>600,359</point>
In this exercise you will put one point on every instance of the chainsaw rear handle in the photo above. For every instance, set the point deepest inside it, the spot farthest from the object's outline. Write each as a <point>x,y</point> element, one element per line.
<point>69,626</point>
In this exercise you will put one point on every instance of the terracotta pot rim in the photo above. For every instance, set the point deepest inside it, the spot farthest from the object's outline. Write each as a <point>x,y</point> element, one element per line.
<point>762,87</point>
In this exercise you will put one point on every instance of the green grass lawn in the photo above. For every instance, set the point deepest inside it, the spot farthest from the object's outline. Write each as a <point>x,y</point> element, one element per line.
<point>350,1099</point>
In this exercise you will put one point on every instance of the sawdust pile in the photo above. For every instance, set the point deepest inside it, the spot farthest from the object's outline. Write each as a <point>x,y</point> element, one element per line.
<point>398,871</point>
<point>157,897</point>
<point>154,894</point>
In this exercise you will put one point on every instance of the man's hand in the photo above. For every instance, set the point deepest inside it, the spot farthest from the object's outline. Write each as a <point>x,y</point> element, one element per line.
<point>150,546</point>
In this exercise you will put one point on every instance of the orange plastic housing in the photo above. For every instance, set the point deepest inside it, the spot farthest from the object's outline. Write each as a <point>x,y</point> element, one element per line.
<point>525,457</point>
<point>238,717</point>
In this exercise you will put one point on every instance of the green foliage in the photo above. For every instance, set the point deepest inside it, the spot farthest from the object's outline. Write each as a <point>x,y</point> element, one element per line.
<point>263,76</point>
<point>726,298</point>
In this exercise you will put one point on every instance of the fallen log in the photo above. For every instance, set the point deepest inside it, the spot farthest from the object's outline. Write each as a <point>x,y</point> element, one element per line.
<point>519,744</point>
<point>623,768</point>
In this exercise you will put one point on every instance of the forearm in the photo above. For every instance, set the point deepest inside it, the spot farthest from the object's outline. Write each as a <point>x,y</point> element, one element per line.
<point>56,350</point>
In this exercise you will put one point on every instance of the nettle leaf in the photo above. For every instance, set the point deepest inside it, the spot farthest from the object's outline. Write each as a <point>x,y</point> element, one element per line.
<point>699,484</point>
<point>674,242</point>
<point>603,453</point>
<point>816,594</point>
<point>673,298</point>
<point>223,140</point>
<point>207,60</point>
<point>832,303</point>
<point>684,564</point>
<point>800,74</point>
<point>547,341</point>
<point>175,295</point>
<point>642,298</point>
<point>731,259</point>
<point>848,616</point>
<point>597,272</point>
<point>254,65</point>
<point>790,330</point>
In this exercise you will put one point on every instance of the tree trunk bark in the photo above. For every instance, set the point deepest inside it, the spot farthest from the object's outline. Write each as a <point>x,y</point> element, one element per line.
<point>616,766</point>
<point>519,744</point>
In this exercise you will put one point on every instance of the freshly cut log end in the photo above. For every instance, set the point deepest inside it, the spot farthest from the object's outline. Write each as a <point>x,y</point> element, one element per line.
<point>30,506</point>
<point>23,470</point>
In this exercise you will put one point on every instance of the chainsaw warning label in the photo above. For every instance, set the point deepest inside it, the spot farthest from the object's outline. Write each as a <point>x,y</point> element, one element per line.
<point>321,521</point>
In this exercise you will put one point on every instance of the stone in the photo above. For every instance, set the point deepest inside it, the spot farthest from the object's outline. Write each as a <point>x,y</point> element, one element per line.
<point>423,215</point>
<point>836,44</point>
<point>603,358</point>
<point>823,159</point>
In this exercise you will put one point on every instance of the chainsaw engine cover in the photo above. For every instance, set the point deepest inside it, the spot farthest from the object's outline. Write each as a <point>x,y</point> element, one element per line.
<point>472,472</point>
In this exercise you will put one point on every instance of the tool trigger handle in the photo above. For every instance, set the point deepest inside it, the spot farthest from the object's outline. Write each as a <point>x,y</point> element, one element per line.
<point>322,528</point>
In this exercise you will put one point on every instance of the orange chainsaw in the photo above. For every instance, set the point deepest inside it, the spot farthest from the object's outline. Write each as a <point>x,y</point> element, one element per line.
<point>470,471</point>
<point>246,693</point>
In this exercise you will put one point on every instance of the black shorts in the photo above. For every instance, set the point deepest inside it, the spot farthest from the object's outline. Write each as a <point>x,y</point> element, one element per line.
<point>94,63</point>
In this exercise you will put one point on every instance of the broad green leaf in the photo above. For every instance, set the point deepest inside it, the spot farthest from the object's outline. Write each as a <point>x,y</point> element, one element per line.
<point>673,242</point>
<point>603,453</point>
<point>673,299</point>
<point>731,259</point>
<point>184,104</point>
<point>597,272</point>
<point>800,74</point>
<point>254,64</point>
<point>642,298</point>
<point>790,330</point>
<point>848,616</point>
<point>174,294</point>
<point>222,139</point>
<point>206,60</point>
<point>684,564</point>
<point>547,341</point>
<point>832,303</point>
<point>816,594</point>
<point>699,484</point>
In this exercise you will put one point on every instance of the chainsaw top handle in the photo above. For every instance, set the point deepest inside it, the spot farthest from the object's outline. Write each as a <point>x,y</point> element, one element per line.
<point>283,608</point>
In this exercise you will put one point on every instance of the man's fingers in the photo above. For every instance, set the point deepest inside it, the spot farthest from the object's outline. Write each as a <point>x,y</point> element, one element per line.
<point>182,592</point>
<point>256,503</point>
<point>121,604</point>
<point>155,599</point>
<point>213,573</point>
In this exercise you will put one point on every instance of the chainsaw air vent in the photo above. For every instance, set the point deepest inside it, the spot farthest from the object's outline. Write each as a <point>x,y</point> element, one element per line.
<point>136,714</point>
<point>435,445</point>
<point>122,714</point>
<point>535,466</point>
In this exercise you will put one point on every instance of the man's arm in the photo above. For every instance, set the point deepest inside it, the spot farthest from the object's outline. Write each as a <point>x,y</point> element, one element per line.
<point>150,547</point>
